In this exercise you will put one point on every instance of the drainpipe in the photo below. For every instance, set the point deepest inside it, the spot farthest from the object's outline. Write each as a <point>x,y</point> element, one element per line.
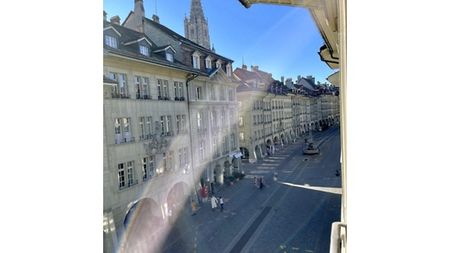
<point>190,77</point>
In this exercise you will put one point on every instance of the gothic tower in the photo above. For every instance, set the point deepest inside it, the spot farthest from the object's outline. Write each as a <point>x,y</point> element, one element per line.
<point>196,26</point>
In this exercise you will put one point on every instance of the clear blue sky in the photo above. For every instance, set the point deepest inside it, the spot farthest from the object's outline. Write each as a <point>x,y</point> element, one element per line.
<point>281,40</point>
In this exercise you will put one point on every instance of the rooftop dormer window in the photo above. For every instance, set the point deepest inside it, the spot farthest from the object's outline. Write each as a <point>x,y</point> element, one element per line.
<point>196,60</point>
<point>218,64</point>
<point>229,69</point>
<point>169,56</point>
<point>143,50</point>
<point>110,41</point>
<point>208,62</point>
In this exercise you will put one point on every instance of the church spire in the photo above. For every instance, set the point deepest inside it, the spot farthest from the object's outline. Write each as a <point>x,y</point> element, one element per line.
<point>197,10</point>
<point>196,26</point>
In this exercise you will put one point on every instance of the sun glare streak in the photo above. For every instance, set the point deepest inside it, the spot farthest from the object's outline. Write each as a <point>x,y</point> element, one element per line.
<point>334,190</point>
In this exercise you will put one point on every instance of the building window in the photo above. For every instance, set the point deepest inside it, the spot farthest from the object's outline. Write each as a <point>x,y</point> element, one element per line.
<point>164,164</point>
<point>163,89</point>
<point>151,166</point>
<point>121,175</point>
<point>229,70</point>
<point>130,173</point>
<point>142,87</point>
<point>218,64</point>
<point>111,41</point>
<point>178,88</point>
<point>143,50</point>
<point>121,90</point>
<point>166,89</point>
<point>149,127</point>
<point>202,150</point>
<point>198,93</point>
<point>159,83</point>
<point>208,63</point>
<point>169,126</point>
<point>199,121</point>
<point>145,175</point>
<point>142,135</point>
<point>196,61</point>
<point>169,56</point>
<point>122,130</point>
<point>166,125</point>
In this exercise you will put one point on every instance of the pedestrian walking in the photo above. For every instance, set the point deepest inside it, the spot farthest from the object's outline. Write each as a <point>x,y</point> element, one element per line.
<point>221,203</point>
<point>255,181</point>
<point>213,203</point>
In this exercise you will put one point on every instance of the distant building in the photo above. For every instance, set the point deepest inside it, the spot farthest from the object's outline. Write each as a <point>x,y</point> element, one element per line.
<point>196,25</point>
<point>265,120</point>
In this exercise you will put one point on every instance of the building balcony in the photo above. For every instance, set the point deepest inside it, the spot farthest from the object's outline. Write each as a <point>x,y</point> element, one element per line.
<point>142,96</point>
<point>124,140</point>
<point>117,95</point>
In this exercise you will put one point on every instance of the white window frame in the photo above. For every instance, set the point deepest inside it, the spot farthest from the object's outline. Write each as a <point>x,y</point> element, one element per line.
<point>169,56</point>
<point>121,175</point>
<point>218,64</point>
<point>111,41</point>
<point>130,174</point>
<point>198,93</point>
<point>159,87</point>
<point>228,70</point>
<point>166,88</point>
<point>208,63</point>
<point>196,61</point>
<point>144,50</point>
<point>145,175</point>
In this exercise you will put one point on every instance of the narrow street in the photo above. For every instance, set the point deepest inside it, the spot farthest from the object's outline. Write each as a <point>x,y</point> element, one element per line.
<point>293,214</point>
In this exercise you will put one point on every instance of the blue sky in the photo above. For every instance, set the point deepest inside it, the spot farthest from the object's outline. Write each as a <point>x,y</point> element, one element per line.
<point>281,40</point>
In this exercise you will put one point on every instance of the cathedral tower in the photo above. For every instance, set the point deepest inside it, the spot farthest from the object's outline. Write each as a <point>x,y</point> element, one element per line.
<point>196,26</point>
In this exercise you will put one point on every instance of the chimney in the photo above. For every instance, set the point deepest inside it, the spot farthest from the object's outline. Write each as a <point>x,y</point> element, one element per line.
<point>155,18</point>
<point>244,66</point>
<point>115,20</point>
<point>282,79</point>
<point>255,68</point>
<point>105,16</point>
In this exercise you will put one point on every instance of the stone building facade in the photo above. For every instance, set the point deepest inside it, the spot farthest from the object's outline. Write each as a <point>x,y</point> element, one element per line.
<point>277,114</point>
<point>170,127</point>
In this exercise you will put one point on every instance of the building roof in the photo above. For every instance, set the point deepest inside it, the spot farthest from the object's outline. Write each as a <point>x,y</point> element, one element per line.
<point>131,35</point>
<point>180,38</point>
<point>245,75</point>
